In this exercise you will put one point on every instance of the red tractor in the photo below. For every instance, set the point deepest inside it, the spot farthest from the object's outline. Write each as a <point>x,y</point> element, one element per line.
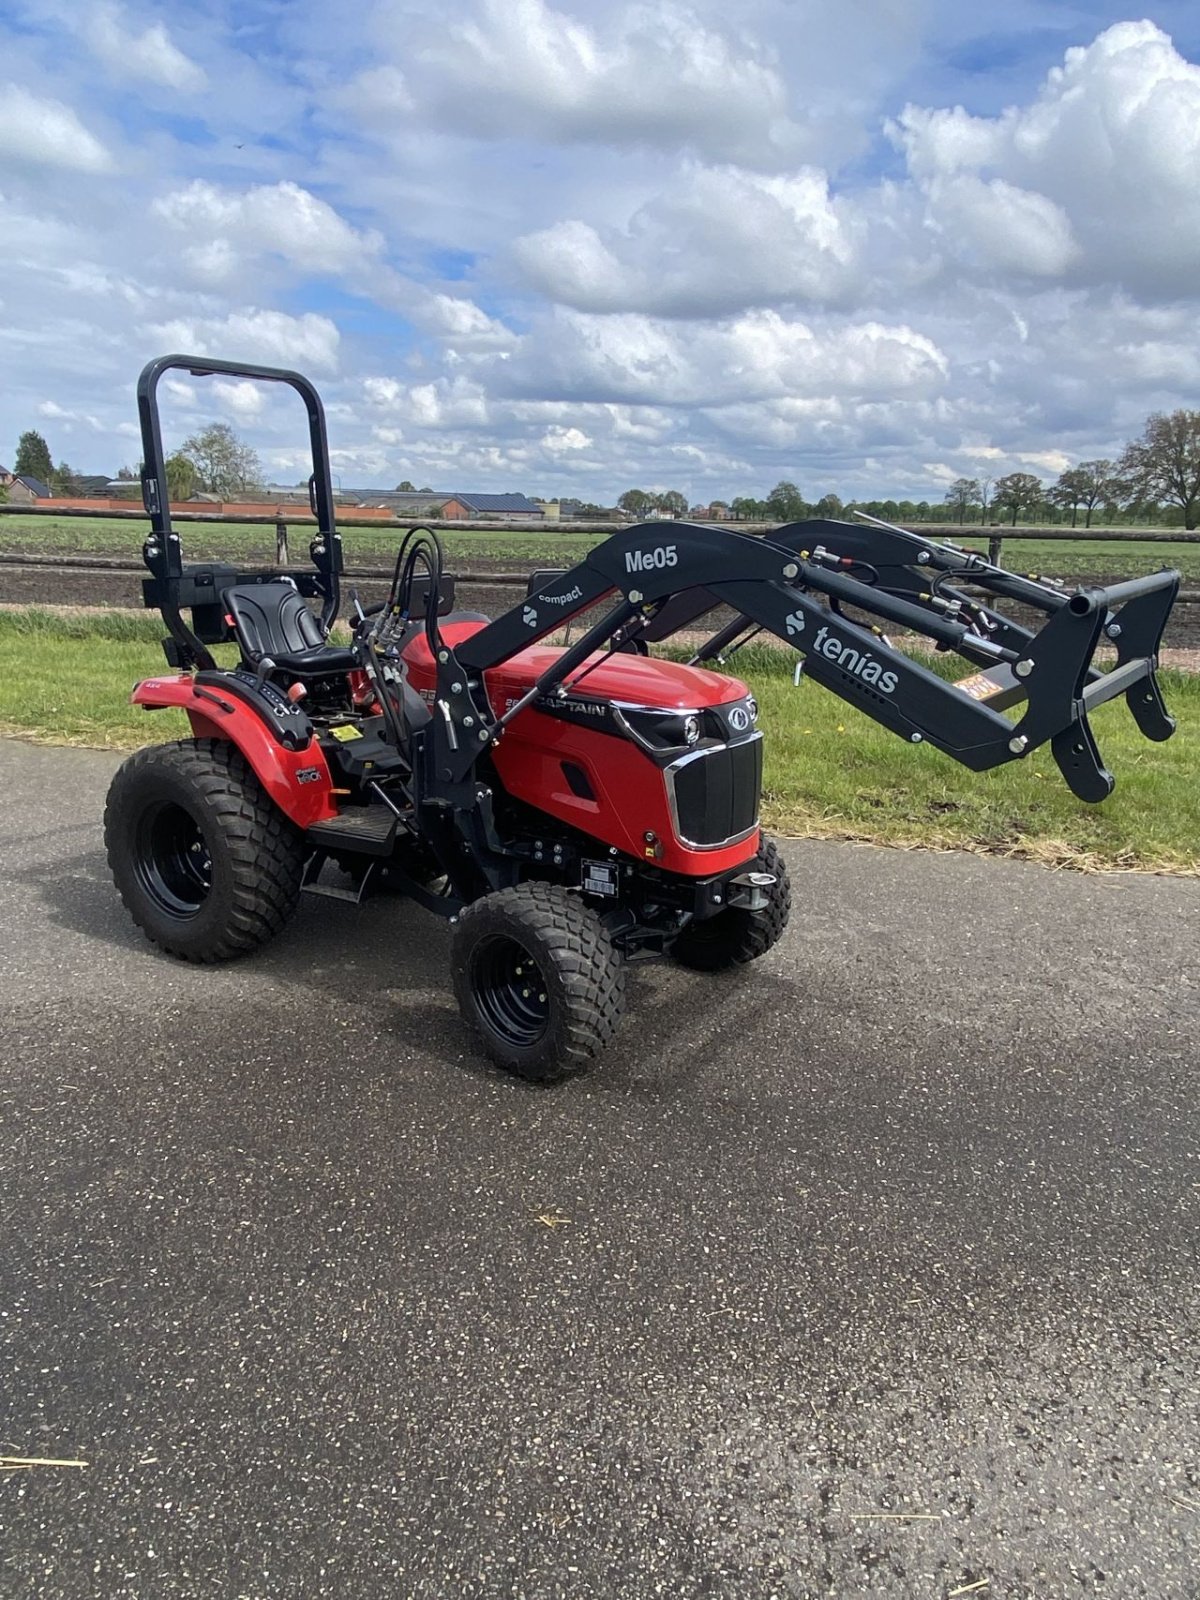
<point>567,809</point>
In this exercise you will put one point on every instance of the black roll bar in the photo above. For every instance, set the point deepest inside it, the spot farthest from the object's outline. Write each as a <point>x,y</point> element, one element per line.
<point>173,585</point>
<point>155,497</point>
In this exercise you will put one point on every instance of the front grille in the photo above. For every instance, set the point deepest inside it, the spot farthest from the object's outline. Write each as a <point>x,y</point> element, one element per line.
<point>714,793</point>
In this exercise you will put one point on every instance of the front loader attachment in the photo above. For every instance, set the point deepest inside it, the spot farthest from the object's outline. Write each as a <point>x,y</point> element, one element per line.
<point>829,589</point>
<point>1050,669</point>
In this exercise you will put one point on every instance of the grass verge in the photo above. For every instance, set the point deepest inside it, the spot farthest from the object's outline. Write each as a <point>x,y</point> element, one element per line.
<point>830,771</point>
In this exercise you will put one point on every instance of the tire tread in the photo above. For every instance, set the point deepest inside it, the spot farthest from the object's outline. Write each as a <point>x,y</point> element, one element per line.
<point>264,848</point>
<point>590,968</point>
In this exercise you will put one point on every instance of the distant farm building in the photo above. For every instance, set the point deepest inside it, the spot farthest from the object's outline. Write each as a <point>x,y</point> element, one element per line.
<point>500,507</point>
<point>23,490</point>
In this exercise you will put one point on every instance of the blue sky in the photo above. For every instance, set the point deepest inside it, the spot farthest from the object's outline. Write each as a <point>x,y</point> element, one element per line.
<point>870,245</point>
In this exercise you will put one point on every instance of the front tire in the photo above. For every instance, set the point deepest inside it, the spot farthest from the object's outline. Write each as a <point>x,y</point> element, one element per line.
<point>734,937</point>
<point>207,866</point>
<point>538,978</point>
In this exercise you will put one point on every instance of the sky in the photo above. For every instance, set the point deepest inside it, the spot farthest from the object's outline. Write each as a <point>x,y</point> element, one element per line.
<point>869,246</point>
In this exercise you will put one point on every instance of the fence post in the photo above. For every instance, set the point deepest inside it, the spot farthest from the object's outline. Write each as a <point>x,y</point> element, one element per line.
<point>282,559</point>
<point>995,547</point>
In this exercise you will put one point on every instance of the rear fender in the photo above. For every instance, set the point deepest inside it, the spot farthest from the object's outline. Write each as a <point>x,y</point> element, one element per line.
<point>298,781</point>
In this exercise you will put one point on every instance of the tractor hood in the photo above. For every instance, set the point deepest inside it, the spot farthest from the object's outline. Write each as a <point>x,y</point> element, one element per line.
<point>630,679</point>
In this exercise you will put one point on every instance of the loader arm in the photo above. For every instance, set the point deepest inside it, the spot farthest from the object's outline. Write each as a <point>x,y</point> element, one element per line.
<point>941,577</point>
<point>798,597</point>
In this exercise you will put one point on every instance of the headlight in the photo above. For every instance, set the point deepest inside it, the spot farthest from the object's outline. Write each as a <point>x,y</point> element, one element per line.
<point>660,730</point>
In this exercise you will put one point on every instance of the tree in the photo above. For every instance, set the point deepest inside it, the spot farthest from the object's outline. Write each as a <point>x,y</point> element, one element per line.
<point>1164,464</point>
<point>181,476</point>
<point>962,494</point>
<point>637,503</point>
<point>1017,492</point>
<point>1090,484</point>
<point>830,505</point>
<point>785,503</point>
<point>225,465</point>
<point>33,457</point>
<point>405,488</point>
<point>748,510</point>
<point>63,480</point>
<point>672,502</point>
<point>1068,492</point>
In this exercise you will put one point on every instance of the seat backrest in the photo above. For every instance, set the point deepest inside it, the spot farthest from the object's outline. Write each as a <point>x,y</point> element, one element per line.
<point>272,619</point>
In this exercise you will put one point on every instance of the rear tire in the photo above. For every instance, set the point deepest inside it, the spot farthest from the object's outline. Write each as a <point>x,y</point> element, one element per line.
<point>207,866</point>
<point>734,937</point>
<point>538,978</point>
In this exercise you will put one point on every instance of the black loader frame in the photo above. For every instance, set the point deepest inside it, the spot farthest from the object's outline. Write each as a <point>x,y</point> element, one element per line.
<point>670,574</point>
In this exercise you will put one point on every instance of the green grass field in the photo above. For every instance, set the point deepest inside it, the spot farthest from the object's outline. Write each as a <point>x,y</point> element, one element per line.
<point>830,771</point>
<point>1090,558</point>
<point>41,534</point>
<point>255,542</point>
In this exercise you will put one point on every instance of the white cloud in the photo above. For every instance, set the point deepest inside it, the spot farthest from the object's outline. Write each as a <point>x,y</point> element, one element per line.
<point>46,133</point>
<point>718,240</point>
<point>51,411</point>
<point>562,441</point>
<point>387,392</point>
<point>280,219</point>
<point>1093,181</point>
<point>243,398</point>
<point>446,403</point>
<point>269,338</point>
<point>462,322</point>
<point>1051,461</point>
<point>755,356</point>
<point>182,394</point>
<point>380,94</point>
<point>149,54</point>
<point>212,263</point>
<point>1007,230</point>
<point>648,75</point>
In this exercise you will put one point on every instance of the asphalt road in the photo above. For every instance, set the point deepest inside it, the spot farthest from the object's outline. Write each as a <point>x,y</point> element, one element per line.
<point>871,1270</point>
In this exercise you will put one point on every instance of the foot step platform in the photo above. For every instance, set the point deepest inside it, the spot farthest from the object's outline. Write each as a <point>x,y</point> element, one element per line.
<point>366,830</point>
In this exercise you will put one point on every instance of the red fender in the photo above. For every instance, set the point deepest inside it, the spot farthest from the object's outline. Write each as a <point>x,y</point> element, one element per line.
<point>298,781</point>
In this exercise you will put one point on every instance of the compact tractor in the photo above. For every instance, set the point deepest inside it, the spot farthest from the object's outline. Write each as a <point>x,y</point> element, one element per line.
<point>566,808</point>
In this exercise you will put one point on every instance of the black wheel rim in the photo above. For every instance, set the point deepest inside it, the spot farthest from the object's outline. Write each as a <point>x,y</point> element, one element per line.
<point>511,992</point>
<point>173,863</point>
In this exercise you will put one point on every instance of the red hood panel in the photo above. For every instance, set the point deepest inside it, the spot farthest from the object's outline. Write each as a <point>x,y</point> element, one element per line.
<point>642,680</point>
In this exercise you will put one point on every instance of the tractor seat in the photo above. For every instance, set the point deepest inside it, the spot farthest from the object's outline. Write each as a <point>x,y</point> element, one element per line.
<point>272,619</point>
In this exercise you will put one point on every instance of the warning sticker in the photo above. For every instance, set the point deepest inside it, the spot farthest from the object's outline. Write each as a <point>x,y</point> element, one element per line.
<point>979,686</point>
<point>346,732</point>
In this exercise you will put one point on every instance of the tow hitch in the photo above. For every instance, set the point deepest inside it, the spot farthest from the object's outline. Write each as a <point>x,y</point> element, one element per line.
<point>750,891</point>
